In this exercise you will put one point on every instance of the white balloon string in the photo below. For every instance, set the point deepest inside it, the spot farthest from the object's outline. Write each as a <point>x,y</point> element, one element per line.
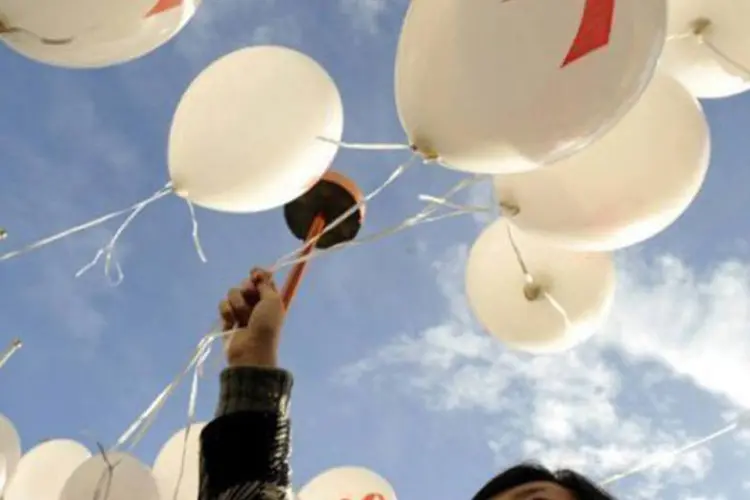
<point>699,32</point>
<point>144,420</point>
<point>660,458</point>
<point>738,66</point>
<point>83,227</point>
<point>445,203</point>
<point>366,147</point>
<point>108,250</point>
<point>394,175</point>
<point>531,282</point>
<point>196,236</point>
<point>423,217</point>
<point>9,351</point>
<point>557,307</point>
<point>371,238</point>
<point>197,373</point>
<point>148,422</point>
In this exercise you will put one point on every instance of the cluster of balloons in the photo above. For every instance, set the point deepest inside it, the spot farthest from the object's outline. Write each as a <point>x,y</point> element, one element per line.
<point>593,148</point>
<point>71,472</point>
<point>627,185</point>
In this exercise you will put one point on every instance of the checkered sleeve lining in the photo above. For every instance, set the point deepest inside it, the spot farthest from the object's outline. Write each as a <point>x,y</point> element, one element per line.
<point>245,449</point>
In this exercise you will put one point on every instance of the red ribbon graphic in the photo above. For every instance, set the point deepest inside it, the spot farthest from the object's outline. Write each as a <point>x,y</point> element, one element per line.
<point>163,6</point>
<point>594,30</point>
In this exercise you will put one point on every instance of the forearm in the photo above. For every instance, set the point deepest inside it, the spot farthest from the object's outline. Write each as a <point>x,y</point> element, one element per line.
<point>245,450</point>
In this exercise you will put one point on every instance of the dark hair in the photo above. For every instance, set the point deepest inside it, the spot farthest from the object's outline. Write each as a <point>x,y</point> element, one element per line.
<point>582,488</point>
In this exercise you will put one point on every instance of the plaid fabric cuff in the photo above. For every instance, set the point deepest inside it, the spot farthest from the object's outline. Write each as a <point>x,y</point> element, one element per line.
<point>259,389</point>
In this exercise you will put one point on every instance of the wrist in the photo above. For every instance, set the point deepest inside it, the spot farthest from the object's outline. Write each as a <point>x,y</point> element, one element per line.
<point>263,356</point>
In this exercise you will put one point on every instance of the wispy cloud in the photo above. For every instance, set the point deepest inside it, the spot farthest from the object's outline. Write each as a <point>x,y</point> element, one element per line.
<point>366,14</point>
<point>206,35</point>
<point>607,405</point>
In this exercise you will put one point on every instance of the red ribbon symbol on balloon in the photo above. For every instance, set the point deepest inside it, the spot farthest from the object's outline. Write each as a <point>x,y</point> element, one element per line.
<point>163,6</point>
<point>593,31</point>
<point>371,496</point>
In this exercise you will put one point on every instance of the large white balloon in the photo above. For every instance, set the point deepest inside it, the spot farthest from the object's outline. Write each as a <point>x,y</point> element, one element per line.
<point>348,483</point>
<point>502,86</point>
<point>574,294</point>
<point>172,475</point>
<point>128,479</point>
<point>44,470</point>
<point>10,451</point>
<point>708,49</point>
<point>626,187</point>
<point>245,136</point>
<point>114,39</point>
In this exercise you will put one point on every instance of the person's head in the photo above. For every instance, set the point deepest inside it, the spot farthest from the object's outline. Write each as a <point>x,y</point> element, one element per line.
<point>534,482</point>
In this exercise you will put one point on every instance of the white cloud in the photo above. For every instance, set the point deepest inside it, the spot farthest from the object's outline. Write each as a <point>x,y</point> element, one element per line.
<point>366,14</point>
<point>669,323</point>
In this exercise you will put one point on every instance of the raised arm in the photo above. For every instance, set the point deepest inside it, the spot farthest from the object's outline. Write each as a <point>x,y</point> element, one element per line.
<point>245,449</point>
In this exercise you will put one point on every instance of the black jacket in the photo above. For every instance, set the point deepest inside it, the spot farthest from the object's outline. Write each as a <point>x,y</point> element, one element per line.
<point>245,449</point>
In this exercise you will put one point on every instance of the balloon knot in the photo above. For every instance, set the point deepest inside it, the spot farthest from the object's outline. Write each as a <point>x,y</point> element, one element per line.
<point>181,192</point>
<point>509,209</point>
<point>532,291</point>
<point>427,153</point>
<point>700,26</point>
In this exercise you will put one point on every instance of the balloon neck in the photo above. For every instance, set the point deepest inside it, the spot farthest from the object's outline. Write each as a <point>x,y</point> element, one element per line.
<point>700,26</point>
<point>4,26</point>
<point>532,291</point>
<point>509,209</point>
<point>179,191</point>
<point>421,147</point>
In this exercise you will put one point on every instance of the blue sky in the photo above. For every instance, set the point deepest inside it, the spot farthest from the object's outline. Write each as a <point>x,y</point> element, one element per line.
<point>391,373</point>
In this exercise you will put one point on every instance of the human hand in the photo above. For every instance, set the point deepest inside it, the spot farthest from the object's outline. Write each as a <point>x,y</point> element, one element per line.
<point>255,313</point>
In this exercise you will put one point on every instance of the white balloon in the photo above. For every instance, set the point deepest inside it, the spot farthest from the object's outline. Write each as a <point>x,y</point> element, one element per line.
<point>128,479</point>
<point>10,451</point>
<point>576,291</point>
<point>245,136</point>
<point>169,464</point>
<point>714,63</point>
<point>43,470</point>
<point>625,188</point>
<point>111,41</point>
<point>348,483</point>
<point>495,86</point>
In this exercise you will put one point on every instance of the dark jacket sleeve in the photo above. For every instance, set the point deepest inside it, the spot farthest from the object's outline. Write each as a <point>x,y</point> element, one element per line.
<point>245,449</point>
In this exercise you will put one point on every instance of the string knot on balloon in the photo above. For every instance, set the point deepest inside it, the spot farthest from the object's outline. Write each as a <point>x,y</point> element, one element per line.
<point>700,26</point>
